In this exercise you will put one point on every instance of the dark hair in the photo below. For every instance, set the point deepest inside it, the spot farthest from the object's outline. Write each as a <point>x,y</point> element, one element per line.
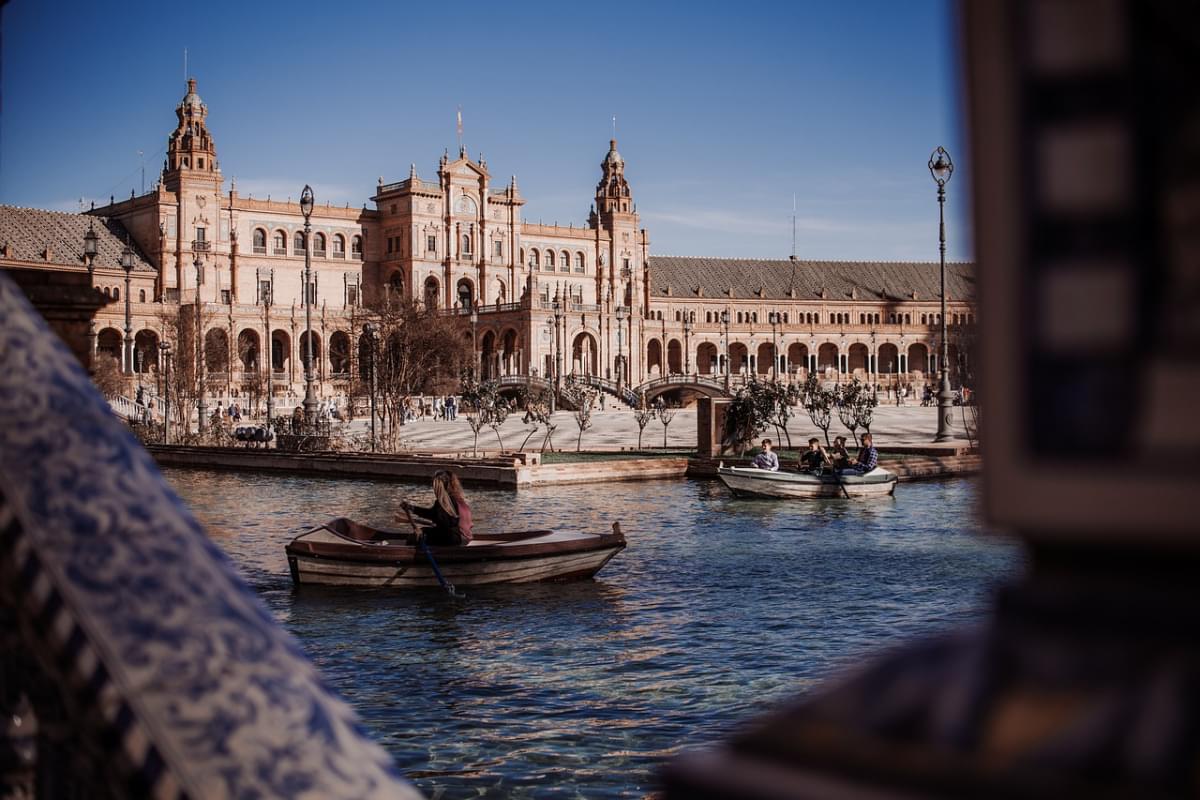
<point>814,440</point>
<point>766,441</point>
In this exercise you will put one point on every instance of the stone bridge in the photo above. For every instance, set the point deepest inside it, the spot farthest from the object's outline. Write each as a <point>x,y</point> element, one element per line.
<point>699,384</point>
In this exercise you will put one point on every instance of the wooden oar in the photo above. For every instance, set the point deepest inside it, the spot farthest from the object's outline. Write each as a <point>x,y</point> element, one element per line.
<point>447,585</point>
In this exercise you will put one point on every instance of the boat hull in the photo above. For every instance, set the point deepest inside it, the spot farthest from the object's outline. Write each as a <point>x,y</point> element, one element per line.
<point>750,482</point>
<point>332,555</point>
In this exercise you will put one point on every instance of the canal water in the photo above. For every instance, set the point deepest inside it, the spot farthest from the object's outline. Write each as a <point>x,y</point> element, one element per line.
<point>717,609</point>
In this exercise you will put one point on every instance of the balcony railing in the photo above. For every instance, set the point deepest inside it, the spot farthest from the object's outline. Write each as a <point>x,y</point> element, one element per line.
<point>200,246</point>
<point>260,249</point>
<point>281,251</point>
<point>357,256</point>
<point>318,253</point>
<point>339,253</point>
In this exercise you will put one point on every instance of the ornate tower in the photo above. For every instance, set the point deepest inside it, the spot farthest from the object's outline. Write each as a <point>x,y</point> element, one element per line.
<point>612,193</point>
<point>190,150</point>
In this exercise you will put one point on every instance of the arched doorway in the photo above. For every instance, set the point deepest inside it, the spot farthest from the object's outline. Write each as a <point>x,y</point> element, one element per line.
<point>706,358</point>
<point>487,353</point>
<point>584,355</point>
<point>281,350</point>
<point>145,351</point>
<point>465,292</point>
<point>108,342</point>
<point>889,361</point>
<point>827,357</point>
<point>654,364</point>
<point>432,287</point>
<point>248,350</point>
<point>216,351</point>
<point>918,360</point>
<point>508,359</point>
<point>339,354</point>
<point>316,351</point>
<point>674,357</point>
<point>739,358</point>
<point>766,357</point>
<point>797,356</point>
<point>858,360</point>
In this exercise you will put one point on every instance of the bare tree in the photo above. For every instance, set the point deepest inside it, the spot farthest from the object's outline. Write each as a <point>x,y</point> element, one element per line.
<point>643,412</point>
<point>665,414</point>
<point>106,374</point>
<point>583,398</point>
<point>818,402</point>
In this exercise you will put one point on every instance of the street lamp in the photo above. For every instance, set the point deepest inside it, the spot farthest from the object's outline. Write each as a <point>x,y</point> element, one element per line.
<point>371,329</point>
<point>476,371</point>
<point>89,256</point>
<point>127,265</point>
<point>165,348</point>
<point>550,330</point>
<point>310,398</point>
<point>774,317</point>
<point>621,314</point>
<point>266,294</point>
<point>725,322</point>
<point>941,168</point>
<point>201,407</point>
<point>687,346</point>
<point>558,364</point>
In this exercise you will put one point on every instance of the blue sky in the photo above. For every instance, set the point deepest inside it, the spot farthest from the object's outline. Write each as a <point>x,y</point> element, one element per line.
<point>724,110</point>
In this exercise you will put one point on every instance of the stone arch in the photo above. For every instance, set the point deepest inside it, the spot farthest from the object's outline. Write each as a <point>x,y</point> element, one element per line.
<point>858,360</point>
<point>501,292</point>
<point>316,350</point>
<point>888,360</point>
<point>509,342</point>
<point>674,357</point>
<point>145,350</point>
<point>487,354</point>
<point>706,358</point>
<point>395,283</point>
<point>827,356</point>
<point>432,293</point>
<point>739,358</point>
<point>654,357</point>
<point>216,350</point>
<point>918,359</point>
<point>797,356</point>
<point>248,349</point>
<point>585,354</point>
<point>339,353</point>
<point>464,293</point>
<point>109,342</point>
<point>766,357</point>
<point>281,349</point>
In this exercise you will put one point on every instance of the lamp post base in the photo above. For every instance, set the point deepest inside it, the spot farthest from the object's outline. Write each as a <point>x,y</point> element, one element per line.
<point>945,406</point>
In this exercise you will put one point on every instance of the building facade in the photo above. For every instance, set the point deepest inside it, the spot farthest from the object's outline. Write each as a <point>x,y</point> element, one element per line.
<point>548,300</point>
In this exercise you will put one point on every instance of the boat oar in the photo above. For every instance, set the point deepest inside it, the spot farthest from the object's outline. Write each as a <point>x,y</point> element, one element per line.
<point>447,585</point>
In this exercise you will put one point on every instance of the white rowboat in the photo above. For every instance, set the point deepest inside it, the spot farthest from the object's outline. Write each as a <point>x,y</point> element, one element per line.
<point>754,482</point>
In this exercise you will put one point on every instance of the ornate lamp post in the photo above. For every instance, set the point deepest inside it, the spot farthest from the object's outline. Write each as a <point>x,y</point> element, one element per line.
<point>476,370</point>
<point>371,331</point>
<point>687,346</point>
<point>201,407</point>
<point>774,317</point>
<point>941,168</point>
<point>725,322</point>
<point>90,249</point>
<point>127,265</point>
<point>621,314</point>
<point>550,329</point>
<point>165,348</point>
<point>310,397</point>
<point>266,295</point>
<point>558,364</point>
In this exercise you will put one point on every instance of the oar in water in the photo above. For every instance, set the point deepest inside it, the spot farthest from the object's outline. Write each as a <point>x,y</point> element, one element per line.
<point>447,585</point>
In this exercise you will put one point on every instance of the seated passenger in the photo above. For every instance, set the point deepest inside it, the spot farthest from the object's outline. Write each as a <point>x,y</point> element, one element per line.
<point>838,453</point>
<point>450,513</point>
<point>814,458</point>
<point>868,457</point>
<point>767,458</point>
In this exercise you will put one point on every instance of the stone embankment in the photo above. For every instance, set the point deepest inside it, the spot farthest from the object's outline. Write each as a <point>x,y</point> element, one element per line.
<point>521,470</point>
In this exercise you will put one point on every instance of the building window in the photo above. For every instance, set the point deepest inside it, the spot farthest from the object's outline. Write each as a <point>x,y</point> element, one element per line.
<point>389,244</point>
<point>141,295</point>
<point>260,241</point>
<point>280,240</point>
<point>226,296</point>
<point>339,246</point>
<point>499,249</point>
<point>298,244</point>
<point>264,292</point>
<point>579,262</point>
<point>431,243</point>
<point>550,261</point>
<point>533,259</point>
<point>466,244</point>
<point>352,295</point>
<point>319,245</point>
<point>116,294</point>
<point>566,262</point>
<point>356,247</point>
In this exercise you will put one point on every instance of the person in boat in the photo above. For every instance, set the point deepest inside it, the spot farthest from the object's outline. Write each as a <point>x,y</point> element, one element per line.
<point>450,514</point>
<point>767,459</point>
<point>814,458</point>
<point>839,457</point>
<point>868,457</point>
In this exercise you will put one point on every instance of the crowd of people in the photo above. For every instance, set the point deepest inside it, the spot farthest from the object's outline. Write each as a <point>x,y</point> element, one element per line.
<point>818,459</point>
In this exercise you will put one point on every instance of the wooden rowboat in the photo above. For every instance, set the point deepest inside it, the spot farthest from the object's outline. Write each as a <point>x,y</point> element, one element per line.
<point>346,553</point>
<point>754,482</point>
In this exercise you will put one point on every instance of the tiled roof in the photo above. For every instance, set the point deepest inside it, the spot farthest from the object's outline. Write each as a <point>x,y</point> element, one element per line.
<point>840,280</point>
<point>28,231</point>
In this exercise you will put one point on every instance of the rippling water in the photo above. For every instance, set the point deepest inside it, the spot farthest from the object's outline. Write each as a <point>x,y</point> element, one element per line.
<point>717,608</point>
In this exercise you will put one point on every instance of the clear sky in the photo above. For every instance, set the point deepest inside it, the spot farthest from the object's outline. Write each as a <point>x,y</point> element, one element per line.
<point>724,110</point>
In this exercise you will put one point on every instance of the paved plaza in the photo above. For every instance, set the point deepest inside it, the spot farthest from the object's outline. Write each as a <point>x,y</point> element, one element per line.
<point>615,429</point>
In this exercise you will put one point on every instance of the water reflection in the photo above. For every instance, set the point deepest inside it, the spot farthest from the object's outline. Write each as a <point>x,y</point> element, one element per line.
<point>717,609</point>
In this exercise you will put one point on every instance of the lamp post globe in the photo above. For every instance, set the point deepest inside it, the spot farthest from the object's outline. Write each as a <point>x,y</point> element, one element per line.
<point>310,396</point>
<point>941,167</point>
